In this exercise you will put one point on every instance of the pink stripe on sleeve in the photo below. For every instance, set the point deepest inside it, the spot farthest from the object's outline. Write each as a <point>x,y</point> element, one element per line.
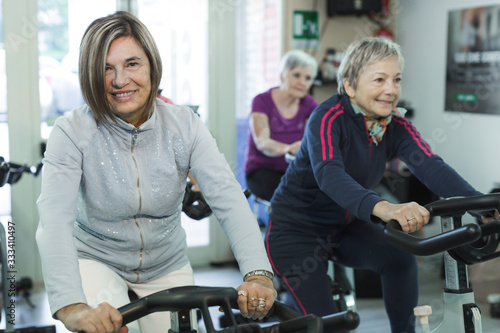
<point>329,131</point>
<point>415,135</point>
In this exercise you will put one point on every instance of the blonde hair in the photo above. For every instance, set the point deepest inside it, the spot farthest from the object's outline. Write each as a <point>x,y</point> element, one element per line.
<point>361,54</point>
<point>93,53</point>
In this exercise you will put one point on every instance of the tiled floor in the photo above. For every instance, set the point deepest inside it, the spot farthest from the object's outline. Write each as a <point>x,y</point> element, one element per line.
<point>371,311</point>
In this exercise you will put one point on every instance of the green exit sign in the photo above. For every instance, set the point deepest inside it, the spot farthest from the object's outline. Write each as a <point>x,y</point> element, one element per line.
<point>305,29</point>
<point>462,97</point>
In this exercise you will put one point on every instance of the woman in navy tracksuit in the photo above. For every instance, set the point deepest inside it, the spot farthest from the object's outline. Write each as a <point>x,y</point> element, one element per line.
<point>324,203</point>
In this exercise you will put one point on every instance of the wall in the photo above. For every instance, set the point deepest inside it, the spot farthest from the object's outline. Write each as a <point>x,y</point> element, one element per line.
<point>468,142</point>
<point>335,32</point>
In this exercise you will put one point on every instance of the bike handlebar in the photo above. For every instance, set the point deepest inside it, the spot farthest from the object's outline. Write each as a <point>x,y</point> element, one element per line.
<point>431,245</point>
<point>455,238</point>
<point>177,299</point>
<point>192,297</point>
<point>338,322</point>
<point>10,172</point>
<point>461,205</point>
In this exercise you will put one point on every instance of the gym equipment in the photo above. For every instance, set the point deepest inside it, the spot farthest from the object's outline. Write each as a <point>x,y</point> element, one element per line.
<point>11,173</point>
<point>181,300</point>
<point>194,204</point>
<point>464,245</point>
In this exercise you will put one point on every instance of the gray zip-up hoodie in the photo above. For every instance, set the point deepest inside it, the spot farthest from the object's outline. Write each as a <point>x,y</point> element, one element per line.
<point>113,193</point>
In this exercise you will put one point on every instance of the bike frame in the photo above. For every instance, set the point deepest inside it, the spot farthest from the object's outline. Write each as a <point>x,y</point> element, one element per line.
<point>182,300</point>
<point>461,314</point>
<point>463,245</point>
<point>11,173</point>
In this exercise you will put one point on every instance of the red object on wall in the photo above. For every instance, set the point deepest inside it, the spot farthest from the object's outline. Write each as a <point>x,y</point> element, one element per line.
<point>385,7</point>
<point>384,33</point>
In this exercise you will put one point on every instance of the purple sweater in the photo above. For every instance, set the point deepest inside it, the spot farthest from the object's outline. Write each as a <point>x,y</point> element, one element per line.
<point>282,130</point>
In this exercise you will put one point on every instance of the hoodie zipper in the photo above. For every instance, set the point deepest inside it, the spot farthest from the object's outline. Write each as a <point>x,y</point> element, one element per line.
<point>132,151</point>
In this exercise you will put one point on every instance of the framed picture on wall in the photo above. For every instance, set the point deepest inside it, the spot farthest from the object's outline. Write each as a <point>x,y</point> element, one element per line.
<point>473,60</point>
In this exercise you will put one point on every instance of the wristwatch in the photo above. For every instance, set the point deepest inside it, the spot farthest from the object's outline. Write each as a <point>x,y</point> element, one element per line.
<point>259,272</point>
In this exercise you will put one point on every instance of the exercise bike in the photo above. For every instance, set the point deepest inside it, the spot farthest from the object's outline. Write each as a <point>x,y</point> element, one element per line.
<point>342,289</point>
<point>462,245</point>
<point>181,300</point>
<point>11,173</point>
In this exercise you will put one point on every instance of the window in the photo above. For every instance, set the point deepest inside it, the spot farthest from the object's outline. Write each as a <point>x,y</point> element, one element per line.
<point>61,26</point>
<point>259,49</point>
<point>180,29</point>
<point>258,55</point>
<point>176,27</point>
<point>4,129</point>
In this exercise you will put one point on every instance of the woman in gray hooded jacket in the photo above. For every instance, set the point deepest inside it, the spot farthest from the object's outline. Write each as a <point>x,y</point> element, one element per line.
<point>115,172</point>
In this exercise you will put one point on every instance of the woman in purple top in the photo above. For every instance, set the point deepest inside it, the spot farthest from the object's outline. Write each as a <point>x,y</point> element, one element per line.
<point>277,123</point>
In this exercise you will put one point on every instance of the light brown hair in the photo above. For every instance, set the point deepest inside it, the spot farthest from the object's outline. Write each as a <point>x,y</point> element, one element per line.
<point>93,54</point>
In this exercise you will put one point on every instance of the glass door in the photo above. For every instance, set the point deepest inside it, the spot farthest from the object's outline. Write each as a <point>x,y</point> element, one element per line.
<point>180,31</point>
<point>35,39</point>
<point>176,27</point>
<point>5,204</point>
<point>257,62</point>
<point>61,25</point>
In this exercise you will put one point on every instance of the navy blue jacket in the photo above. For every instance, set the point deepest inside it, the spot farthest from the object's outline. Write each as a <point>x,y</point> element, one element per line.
<point>329,182</point>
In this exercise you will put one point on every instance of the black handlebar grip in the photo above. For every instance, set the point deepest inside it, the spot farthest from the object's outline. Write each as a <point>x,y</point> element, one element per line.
<point>133,311</point>
<point>281,312</point>
<point>340,322</point>
<point>37,168</point>
<point>432,245</point>
<point>303,324</point>
<point>461,205</point>
<point>290,319</point>
<point>176,299</point>
<point>4,173</point>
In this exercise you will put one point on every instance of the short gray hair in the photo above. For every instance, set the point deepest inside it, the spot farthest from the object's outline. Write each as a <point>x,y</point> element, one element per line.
<point>296,58</point>
<point>363,53</point>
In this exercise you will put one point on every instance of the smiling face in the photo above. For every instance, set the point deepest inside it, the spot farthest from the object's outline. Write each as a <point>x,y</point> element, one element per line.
<point>378,89</point>
<point>297,81</point>
<point>128,81</point>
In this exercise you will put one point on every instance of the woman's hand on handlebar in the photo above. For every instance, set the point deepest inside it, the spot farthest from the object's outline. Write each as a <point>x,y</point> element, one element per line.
<point>250,296</point>
<point>81,317</point>
<point>411,216</point>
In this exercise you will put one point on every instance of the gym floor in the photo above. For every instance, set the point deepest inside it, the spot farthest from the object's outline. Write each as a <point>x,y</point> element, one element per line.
<point>371,311</point>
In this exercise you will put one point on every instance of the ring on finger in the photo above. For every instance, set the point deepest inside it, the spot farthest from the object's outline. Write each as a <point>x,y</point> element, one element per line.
<point>261,303</point>
<point>411,219</point>
<point>253,301</point>
<point>242,293</point>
